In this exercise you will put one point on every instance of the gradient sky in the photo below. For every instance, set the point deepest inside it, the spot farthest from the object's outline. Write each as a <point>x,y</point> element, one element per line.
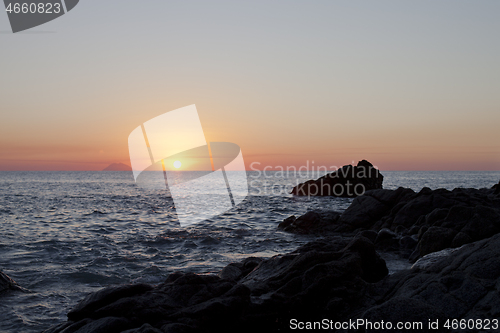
<point>406,85</point>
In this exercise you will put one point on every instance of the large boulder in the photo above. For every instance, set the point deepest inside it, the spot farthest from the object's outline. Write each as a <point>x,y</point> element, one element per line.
<point>452,284</point>
<point>348,181</point>
<point>103,297</point>
<point>368,209</point>
<point>435,239</point>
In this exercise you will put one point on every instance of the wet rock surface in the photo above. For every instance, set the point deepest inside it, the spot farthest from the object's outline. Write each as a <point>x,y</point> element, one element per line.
<point>348,181</point>
<point>6,284</point>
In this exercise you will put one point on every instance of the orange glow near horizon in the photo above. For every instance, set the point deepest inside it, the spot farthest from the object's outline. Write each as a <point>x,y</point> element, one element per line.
<point>445,150</point>
<point>410,98</point>
<point>471,143</point>
<point>384,161</point>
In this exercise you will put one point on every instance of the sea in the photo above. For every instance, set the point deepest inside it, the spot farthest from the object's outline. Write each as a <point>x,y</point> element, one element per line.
<point>64,235</point>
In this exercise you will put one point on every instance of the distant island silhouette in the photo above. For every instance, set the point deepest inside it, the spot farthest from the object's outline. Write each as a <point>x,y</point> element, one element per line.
<point>117,167</point>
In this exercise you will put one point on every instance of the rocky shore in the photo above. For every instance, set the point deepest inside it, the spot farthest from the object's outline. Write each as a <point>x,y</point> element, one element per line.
<point>415,224</point>
<point>452,236</point>
<point>347,182</point>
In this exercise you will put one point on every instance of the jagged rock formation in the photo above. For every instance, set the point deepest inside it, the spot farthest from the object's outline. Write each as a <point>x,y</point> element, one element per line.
<point>348,181</point>
<point>416,223</point>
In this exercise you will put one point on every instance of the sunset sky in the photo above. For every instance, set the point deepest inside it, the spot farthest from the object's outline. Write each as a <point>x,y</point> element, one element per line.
<point>405,85</point>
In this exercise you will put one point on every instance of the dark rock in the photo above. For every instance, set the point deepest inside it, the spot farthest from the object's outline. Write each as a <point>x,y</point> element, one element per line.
<point>103,297</point>
<point>236,271</point>
<point>454,283</point>
<point>387,240</point>
<point>460,239</point>
<point>483,223</point>
<point>373,266</point>
<point>436,215</point>
<point>496,188</point>
<point>287,222</point>
<point>177,328</point>
<point>368,209</point>
<point>401,230</point>
<point>407,245</point>
<point>104,325</point>
<point>430,259</point>
<point>311,222</point>
<point>420,206</point>
<point>348,181</point>
<point>230,272</point>
<point>425,191</point>
<point>327,275</point>
<point>436,239</point>
<point>6,283</point>
<point>414,230</point>
<point>59,328</point>
<point>457,217</point>
<point>370,234</point>
<point>422,231</point>
<point>398,310</point>
<point>146,328</point>
<point>440,218</point>
<point>73,327</point>
<point>363,212</point>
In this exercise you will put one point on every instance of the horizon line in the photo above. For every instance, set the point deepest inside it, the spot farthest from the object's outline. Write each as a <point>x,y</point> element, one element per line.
<point>286,171</point>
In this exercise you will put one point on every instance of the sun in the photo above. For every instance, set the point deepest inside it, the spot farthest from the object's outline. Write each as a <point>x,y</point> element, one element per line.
<point>177,164</point>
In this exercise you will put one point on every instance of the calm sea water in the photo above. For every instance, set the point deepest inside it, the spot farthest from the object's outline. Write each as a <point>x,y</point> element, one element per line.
<point>65,234</point>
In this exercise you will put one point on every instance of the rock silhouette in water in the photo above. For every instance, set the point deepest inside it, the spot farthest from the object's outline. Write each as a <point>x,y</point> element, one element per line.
<point>117,167</point>
<point>6,283</point>
<point>497,188</point>
<point>348,181</point>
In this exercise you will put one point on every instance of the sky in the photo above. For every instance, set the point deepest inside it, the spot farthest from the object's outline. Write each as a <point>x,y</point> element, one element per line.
<point>407,85</point>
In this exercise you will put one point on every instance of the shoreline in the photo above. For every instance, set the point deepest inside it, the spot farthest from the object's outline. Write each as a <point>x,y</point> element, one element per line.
<point>331,277</point>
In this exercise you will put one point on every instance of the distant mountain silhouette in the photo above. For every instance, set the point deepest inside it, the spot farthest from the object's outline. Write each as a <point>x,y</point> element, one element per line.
<point>117,167</point>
